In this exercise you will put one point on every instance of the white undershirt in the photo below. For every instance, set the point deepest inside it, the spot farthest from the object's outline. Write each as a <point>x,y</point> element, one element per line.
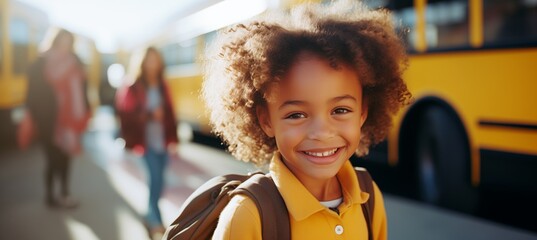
<point>332,203</point>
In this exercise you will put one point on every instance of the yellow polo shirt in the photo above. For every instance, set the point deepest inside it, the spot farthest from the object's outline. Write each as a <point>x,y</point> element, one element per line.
<point>308,218</point>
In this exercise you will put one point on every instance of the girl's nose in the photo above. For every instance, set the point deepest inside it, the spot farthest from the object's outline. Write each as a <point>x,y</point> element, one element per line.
<point>320,129</point>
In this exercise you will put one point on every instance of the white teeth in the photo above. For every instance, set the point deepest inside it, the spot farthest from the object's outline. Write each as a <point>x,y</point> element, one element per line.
<point>322,154</point>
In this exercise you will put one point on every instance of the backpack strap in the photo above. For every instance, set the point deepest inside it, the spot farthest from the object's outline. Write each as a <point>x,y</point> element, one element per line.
<point>273,212</point>
<point>366,185</point>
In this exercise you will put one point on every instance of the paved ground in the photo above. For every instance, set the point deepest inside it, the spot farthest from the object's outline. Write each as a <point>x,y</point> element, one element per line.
<point>103,213</point>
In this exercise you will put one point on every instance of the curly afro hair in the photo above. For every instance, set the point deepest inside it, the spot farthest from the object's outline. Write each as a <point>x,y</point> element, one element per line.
<point>246,59</point>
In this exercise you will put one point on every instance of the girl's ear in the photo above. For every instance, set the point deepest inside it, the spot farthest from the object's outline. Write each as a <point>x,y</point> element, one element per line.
<point>264,120</point>
<point>365,109</point>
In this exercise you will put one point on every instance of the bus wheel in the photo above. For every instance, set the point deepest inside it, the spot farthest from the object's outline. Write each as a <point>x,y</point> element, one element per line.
<point>443,161</point>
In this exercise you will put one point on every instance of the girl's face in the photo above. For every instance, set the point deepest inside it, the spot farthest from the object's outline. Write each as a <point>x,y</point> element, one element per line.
<point>152,63</point>
<point>315,115</point>
<point>65,44</point>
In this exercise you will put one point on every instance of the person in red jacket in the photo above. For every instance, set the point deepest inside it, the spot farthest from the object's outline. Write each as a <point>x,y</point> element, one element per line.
<point>148,125</point>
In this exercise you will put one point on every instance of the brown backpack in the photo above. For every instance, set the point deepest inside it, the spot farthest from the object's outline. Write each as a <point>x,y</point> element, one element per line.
<point>199,215</point>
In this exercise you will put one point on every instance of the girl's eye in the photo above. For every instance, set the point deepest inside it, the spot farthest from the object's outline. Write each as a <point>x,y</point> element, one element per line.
<point>295,116</point>
<point>341,111</point>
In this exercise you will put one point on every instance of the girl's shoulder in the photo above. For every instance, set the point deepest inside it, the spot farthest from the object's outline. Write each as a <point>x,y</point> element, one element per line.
<point>242,209</point>
<point>239,220</point>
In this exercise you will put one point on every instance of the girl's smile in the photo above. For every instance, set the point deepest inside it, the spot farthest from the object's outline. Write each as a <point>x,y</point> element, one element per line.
<point>323,157</point>
<point>321,154</point>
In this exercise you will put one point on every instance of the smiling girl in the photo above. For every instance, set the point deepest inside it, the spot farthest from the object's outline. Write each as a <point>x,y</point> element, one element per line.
<point>304,91</point>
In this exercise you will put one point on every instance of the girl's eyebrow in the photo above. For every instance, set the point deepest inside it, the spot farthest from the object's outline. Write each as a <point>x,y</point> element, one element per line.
<point>291,102</point>
<point>346,96</point>
<point>300,102</point>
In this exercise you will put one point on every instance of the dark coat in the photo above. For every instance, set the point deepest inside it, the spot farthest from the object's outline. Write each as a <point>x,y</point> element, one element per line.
<point>41,101</point>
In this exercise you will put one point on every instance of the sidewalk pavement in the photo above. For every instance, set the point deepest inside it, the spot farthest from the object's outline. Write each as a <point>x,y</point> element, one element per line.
<point>110,184</point>
<point>102,214</point>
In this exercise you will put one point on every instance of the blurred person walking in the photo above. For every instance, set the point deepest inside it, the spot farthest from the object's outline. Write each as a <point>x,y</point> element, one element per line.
<point>148,125</point>
<point>58,111</point>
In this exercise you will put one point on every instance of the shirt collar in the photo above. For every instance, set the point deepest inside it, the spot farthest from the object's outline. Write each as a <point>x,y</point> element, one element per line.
<point>300,202</point>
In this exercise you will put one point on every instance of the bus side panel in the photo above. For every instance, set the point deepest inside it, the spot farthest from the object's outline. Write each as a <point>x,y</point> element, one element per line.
<point>188,105</point>
<point>495,86</point>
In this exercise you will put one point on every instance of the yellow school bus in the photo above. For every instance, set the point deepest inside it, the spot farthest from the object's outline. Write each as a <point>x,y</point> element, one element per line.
<point>473,120</point>
<point>22,29</point>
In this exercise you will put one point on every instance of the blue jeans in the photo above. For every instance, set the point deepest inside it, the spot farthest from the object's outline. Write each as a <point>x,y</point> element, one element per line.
<point>156,164</point>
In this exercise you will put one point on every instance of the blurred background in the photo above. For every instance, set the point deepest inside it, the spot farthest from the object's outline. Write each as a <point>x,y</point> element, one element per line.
<point>462,157</point>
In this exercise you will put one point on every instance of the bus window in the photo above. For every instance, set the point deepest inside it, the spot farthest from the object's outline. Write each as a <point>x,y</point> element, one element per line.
<point>446,24</point>
<point>187,51</point>
<point>19,34</point>
<point>209,37</point>
<point>508,22</point>
<point>404,16</point>
<point>169,54</point>
<point>180,53</point>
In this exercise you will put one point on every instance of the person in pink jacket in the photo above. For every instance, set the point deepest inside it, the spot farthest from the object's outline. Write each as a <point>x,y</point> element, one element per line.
<point>303,91</point>
<point>59,110</point>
